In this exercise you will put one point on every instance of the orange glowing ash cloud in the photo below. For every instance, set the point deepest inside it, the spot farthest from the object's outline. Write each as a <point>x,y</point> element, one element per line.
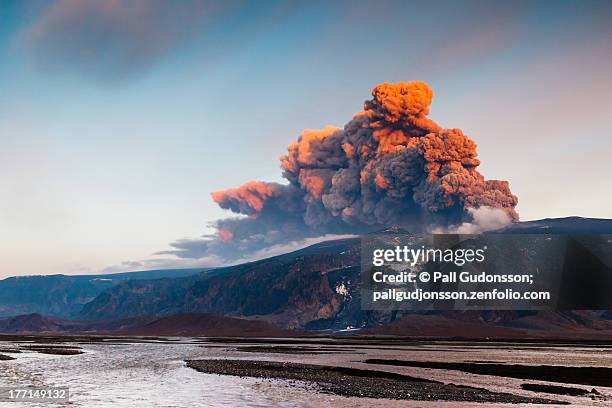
<point>389,165</point>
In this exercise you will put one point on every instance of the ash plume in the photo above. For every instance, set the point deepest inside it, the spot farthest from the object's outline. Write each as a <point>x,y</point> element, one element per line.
<point>390,165</point>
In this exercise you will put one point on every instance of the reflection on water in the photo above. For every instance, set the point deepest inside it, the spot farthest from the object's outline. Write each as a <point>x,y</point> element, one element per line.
<point>141,374</point>
<point>154,374</point>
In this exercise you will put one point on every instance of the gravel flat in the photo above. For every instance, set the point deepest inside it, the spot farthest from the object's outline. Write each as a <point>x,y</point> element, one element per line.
<point>352,382</point>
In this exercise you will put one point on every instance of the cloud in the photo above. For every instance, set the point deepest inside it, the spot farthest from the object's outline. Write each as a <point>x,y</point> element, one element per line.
<point>161,263</point>
<point>390,165</point>
<point>483,219</point>
<point>111,40</point>
<point>189,255</point>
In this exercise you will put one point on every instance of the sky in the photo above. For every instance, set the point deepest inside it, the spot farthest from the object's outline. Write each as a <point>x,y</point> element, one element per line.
<point>119,118</point>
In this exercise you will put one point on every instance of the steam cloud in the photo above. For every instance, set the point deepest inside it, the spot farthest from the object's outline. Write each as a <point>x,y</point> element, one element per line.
<point>390,165</point>
<point>483,219</point>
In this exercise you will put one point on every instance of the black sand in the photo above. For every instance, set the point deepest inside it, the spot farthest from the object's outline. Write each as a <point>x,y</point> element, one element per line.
<point>295,350</point>
<point>557,389</point>
<point>601,376</point>
<point>59,350</point>
<point>351,382</point>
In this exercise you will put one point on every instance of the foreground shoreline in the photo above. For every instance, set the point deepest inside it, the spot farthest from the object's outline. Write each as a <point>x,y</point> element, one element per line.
<point>351,382</point>
<point>340,371</point>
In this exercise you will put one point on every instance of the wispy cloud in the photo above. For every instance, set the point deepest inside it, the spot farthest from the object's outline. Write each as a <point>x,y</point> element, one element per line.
<point>112,40</point>
<point>187,255</point>
<point>160,263</point>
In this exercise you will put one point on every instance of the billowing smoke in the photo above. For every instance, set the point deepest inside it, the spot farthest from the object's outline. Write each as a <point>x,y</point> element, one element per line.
<point>390,165</point>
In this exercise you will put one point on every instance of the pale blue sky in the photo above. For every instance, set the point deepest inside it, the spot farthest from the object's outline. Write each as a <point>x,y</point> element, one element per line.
<point>108,153</point>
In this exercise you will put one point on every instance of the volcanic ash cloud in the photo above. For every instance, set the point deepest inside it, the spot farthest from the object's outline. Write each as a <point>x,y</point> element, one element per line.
<point>389,165</point>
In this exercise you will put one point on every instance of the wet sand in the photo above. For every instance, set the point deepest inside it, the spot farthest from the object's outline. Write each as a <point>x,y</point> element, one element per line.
<point>352,382</point>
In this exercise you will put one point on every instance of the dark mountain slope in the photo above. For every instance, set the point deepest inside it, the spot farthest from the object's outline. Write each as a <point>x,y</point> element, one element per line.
<point>567,225</point>
<point>36,323</point>
<point>187,324</point>
<point>202,324</point>
<point>132,298</point>
<point>65,295</point>
<point>318,288</point>
<point>291,289</point>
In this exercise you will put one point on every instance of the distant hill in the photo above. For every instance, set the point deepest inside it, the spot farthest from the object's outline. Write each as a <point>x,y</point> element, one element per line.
<point>32,323</point>
<point>581,324</point>
<point>567,225</point>
<point>186,324</point>
<point>64,295</point>
<point>570,325</point>
<point>202,324</point>
<point>37,323</point>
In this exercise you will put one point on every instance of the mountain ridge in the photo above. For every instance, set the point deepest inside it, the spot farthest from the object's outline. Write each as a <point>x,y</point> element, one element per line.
<point>62,295</point>
<point>313,288</point>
